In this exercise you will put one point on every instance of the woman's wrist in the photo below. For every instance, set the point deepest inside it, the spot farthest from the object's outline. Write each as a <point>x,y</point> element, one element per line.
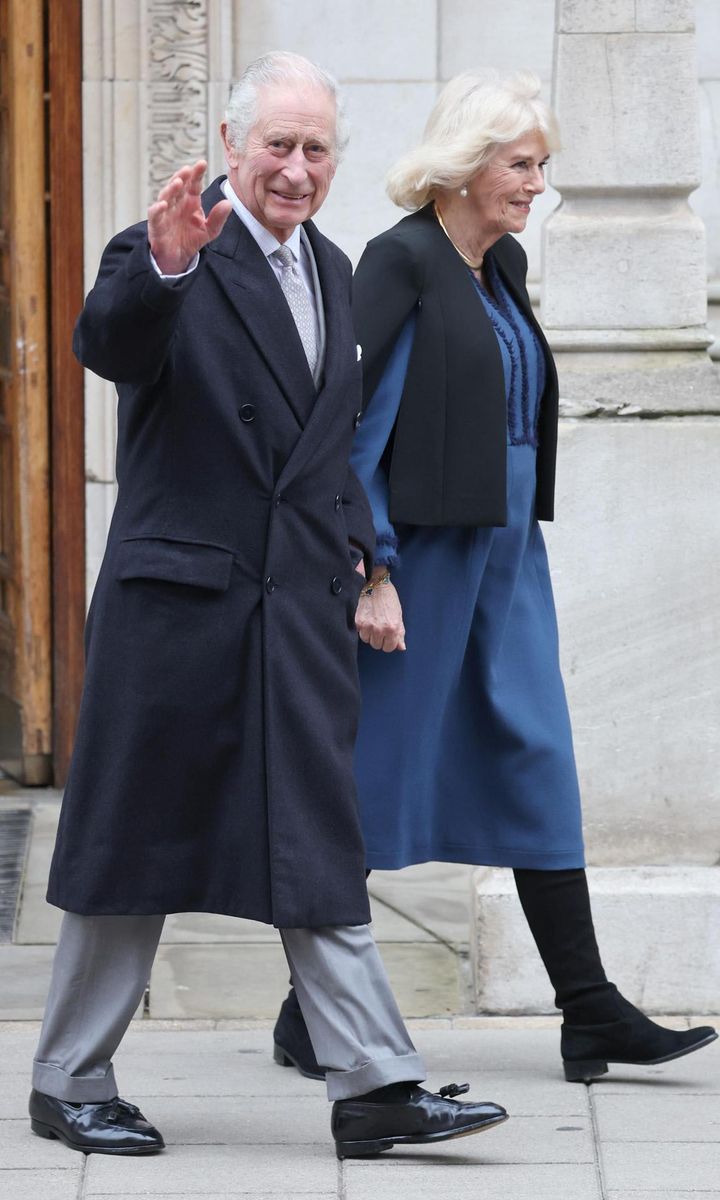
<point>379,578</point>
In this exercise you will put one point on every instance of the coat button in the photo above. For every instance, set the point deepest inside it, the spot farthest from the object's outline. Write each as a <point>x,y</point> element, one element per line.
<point>247,412</point>
<point>358,419</point>
<point>338,502</point>
<point>336,586</point>
<point>270,584</point>
<point>278,500</point>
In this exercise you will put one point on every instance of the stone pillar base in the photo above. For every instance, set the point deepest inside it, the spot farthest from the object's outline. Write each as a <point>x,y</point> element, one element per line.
<point>656,378</point>
<point>657,928</point>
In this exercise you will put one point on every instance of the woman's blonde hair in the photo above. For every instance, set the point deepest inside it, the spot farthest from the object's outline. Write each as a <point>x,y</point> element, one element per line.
<point>473,115</point>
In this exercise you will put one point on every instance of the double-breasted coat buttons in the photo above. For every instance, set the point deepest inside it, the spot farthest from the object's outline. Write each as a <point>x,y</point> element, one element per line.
<point>336,586</point>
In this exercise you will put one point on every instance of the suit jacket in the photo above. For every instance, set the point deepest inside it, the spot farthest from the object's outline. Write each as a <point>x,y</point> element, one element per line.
<point>447,458</point>
<point>213,762</point>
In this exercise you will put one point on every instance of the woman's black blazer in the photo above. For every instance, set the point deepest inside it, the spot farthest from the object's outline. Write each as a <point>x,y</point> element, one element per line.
<point>447,457</point>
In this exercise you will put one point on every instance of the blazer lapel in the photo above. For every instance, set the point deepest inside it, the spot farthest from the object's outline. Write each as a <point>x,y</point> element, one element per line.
<point>250,284</point>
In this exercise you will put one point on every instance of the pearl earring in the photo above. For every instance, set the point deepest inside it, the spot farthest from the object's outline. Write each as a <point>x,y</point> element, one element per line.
<point>463,192</point>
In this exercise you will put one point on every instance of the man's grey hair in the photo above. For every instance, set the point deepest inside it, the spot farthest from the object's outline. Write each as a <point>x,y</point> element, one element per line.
<point>280,67</point>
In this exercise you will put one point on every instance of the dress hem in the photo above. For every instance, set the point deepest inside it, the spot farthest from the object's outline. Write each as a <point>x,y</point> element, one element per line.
<point>470,856</point>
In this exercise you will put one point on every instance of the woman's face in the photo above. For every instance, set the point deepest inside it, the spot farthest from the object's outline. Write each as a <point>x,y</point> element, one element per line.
<point>501,194</point>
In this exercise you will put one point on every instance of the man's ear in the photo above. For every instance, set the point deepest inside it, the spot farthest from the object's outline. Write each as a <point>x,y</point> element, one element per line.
<point>231,154</point>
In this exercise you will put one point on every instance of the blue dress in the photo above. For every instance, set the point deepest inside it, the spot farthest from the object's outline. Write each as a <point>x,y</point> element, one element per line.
<point>464,752</point>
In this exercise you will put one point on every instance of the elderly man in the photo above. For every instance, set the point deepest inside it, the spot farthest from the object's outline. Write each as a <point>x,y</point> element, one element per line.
<point>212,767</point>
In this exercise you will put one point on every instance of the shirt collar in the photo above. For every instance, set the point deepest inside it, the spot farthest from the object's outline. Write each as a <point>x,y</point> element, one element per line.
<point>267,241</point>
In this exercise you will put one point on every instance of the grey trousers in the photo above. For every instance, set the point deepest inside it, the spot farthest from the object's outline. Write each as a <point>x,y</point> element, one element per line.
<point>101,969</point>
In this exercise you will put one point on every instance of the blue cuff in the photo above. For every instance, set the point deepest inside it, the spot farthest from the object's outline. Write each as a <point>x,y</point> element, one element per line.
<point>386,550</point>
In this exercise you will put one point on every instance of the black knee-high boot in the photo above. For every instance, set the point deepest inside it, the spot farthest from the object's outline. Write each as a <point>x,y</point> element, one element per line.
<point>599,1024</point>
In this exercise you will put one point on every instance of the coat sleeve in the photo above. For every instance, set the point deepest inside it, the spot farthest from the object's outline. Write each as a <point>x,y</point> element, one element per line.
<point>126,327</point>
<point>372,437</point>
<point>359,521</point>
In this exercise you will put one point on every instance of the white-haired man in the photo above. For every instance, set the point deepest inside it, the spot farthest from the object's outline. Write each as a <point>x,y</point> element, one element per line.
<point>212,770</point>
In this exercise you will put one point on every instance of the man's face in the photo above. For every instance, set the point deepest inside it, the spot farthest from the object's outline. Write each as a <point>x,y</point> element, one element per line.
<point>285,171</point>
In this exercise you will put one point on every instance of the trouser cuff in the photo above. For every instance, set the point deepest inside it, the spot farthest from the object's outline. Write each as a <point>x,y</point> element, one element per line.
<point>78,1089</point>
<point>400,1068</point>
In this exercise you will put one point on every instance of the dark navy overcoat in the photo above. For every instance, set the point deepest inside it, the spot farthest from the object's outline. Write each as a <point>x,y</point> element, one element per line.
<point>212,769</point>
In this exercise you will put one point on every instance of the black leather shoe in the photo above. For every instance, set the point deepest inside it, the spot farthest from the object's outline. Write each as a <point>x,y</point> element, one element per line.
<point>292,1045</point>
<point>632,1039</point>
<point>362,1126</point>
<point>112,1127</point>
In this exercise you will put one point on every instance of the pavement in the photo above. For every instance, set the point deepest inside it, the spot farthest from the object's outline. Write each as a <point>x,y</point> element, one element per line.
<point>198,1061</point>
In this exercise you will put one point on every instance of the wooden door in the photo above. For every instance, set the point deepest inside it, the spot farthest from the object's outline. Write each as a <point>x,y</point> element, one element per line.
<point>25,634</point>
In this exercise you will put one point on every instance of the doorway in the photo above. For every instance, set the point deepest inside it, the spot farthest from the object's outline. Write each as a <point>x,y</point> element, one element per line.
<point>41,399</point>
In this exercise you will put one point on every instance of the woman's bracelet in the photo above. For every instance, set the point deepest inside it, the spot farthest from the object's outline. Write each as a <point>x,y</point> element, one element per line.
<point>370,587</point>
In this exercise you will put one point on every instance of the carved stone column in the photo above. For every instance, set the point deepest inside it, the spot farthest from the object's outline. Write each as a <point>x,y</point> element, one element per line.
<point>624,265</point>
<point>634,546</point>
<point>156,78</point>
<point>177,36</point>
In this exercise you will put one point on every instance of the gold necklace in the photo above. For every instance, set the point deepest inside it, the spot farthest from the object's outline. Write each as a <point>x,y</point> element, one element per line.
<point>473,266</point>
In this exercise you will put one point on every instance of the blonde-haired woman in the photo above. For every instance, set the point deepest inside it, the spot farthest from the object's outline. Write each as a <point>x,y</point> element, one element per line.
<point>465,749</point>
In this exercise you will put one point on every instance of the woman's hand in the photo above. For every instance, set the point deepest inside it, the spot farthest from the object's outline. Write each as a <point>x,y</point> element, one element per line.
<point>177,225</point>
<point>379,619</point>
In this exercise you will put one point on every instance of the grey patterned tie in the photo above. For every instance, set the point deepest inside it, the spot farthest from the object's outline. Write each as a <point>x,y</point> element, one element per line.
<point>296,295</point>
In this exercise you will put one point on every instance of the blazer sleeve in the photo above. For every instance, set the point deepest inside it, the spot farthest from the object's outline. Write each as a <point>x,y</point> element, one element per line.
<point>372,437</point>
<point>126,327</point>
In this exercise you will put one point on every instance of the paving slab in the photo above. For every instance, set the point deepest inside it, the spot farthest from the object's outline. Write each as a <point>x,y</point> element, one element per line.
<point>536,1139</point>
<point>521,1095</point>
<point>218,981</point>
<point>653,1195</point>
<point>25,975</point>
<point>213,927</point>
<point>209,1066</point>
<point>443,912</point>
<point>35,1184</point>
<point>22,1148</point>
<point>417,1176</point>
<point>696,1073</point>
<point>250,980</point>
<point>523,1053</point>
<point>200,1169</point>
<point>657,1118</point>
<point>247,1120</point>
<point>426,978</point>
<point>387,926</point>
<point>39,922</point>
<point>637,1165</point>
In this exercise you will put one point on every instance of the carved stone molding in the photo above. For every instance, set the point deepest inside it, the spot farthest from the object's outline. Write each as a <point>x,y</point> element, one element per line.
<point>177,86</point>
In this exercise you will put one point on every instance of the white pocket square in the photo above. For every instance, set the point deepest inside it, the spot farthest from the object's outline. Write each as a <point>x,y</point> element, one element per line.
<point>359,353</point>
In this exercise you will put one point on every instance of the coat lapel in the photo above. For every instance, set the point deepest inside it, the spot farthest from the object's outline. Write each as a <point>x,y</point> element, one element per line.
<point>252,288</point>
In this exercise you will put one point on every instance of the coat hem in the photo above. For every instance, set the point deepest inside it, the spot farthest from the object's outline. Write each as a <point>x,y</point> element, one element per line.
<point>126,910</point>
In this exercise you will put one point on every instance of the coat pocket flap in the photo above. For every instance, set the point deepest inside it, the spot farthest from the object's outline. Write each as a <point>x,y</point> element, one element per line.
<point>176,562</point>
